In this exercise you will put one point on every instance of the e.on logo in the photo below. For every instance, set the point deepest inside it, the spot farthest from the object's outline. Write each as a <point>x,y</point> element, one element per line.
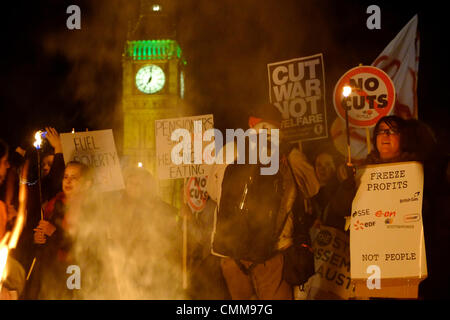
<point>360,225</point>
<point>385,214</point>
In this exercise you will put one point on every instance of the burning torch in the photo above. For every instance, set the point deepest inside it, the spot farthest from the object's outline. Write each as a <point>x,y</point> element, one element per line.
<point>10,239</point>
<point>37,144</point>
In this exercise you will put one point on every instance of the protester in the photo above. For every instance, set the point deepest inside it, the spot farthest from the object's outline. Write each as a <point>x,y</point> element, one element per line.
<point>39,193</point>
<point>325,169</point>
<point>435,210</point>
<point>254,222</point>
<point>146,261</point>
<point>398,140</point>
<point>206,278</point>
<point>57,231</point>
<point>4,165</point>
<point>390,142</point>
<point>14,282</point>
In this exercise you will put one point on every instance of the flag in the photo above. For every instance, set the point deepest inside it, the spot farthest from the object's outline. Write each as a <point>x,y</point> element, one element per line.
<point>400,60</point>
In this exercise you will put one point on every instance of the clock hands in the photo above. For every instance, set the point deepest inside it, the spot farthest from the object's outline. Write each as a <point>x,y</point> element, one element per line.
<point>150,79</point>
<point>151,73</point>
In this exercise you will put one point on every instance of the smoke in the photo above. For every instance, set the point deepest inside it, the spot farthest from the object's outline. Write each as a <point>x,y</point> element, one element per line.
<point>127,246</point>
<point>129,251</point>
<point>125,250</point>
<point>92,83</point>
<point>227,46</point>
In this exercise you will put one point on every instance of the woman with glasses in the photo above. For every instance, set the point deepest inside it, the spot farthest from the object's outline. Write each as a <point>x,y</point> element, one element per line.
<point>390,141</point>
<point>398,140</point>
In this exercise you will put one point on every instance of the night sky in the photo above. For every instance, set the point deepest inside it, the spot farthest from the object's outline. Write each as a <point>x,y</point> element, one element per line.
<point>72,78</point>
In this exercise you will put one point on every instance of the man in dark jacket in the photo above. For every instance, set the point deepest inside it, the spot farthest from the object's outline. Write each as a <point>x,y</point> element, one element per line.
<point>247,279</point>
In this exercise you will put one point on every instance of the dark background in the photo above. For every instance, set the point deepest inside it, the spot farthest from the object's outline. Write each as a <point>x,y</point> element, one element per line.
<point>72,78</point>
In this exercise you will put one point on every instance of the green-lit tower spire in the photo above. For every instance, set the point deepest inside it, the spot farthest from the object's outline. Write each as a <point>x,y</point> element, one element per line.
<point>153,86</point>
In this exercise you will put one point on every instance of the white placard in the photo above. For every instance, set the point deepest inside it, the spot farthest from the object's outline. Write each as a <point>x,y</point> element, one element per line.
<point>97,150</point>
<point>332,264</point>
<point>166,168</point>
<point>386,224</point>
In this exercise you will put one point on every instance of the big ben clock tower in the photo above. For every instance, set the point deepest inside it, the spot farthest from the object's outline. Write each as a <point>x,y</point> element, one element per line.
<point>153,87</point>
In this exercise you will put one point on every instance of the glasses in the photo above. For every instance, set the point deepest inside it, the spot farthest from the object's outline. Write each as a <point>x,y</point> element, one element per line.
<point>388,132</point>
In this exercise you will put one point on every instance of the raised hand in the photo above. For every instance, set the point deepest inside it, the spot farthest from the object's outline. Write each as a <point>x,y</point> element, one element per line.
<point>53,138</point>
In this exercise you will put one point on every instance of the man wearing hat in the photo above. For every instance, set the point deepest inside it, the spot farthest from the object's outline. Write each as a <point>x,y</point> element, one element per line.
<point>247,274</point>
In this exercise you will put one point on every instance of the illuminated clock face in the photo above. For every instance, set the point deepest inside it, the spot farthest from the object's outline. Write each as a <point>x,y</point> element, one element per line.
<point>150,79</point>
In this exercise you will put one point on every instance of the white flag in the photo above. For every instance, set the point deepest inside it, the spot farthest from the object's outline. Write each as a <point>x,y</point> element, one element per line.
<point>400,60</point>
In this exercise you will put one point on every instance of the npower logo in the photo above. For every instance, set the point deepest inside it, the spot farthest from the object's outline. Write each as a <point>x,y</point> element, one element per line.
<point>362,225</point>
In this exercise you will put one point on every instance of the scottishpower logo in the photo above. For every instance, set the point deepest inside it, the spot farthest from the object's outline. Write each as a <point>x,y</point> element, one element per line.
<point>362,225</point>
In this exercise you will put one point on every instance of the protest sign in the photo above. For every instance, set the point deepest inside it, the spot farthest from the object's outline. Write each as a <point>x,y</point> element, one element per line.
<point>332,264</point>
<point>297,90</point>
<point>97,150</point>
<point>166,168</point>
<point>196,194</point>
<point>400,60</point>
<point>386,225</point>
<point>372,96</point>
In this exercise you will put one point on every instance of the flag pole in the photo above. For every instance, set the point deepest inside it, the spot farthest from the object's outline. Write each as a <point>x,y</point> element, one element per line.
<point>37,145</point>
<point>346,91</point>
<point>369,148</point>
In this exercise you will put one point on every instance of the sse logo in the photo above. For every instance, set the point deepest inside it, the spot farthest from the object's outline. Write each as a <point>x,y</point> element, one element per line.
<point>359,213</point>
<point>361,226</point>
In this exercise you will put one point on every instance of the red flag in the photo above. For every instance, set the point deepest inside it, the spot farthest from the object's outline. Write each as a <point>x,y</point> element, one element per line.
<point>400,60</point>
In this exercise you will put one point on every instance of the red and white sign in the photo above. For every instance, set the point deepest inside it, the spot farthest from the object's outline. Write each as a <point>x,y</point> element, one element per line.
<point>372,96</point>
<point>196,194</point>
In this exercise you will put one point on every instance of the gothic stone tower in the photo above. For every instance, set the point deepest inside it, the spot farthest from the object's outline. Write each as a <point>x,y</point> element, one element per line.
<point>153,86</point>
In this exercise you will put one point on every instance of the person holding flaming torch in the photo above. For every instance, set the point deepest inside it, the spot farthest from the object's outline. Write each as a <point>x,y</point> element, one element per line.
<point>12,275</point>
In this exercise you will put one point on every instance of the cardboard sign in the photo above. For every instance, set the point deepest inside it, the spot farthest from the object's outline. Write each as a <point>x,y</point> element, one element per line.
<point>372,96</point>
<point>97,150</point>
<point>386,223</point>
<point>297,89</point>
<point>332,264</point>
<point>196,194</point>
<point>166,168</point>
